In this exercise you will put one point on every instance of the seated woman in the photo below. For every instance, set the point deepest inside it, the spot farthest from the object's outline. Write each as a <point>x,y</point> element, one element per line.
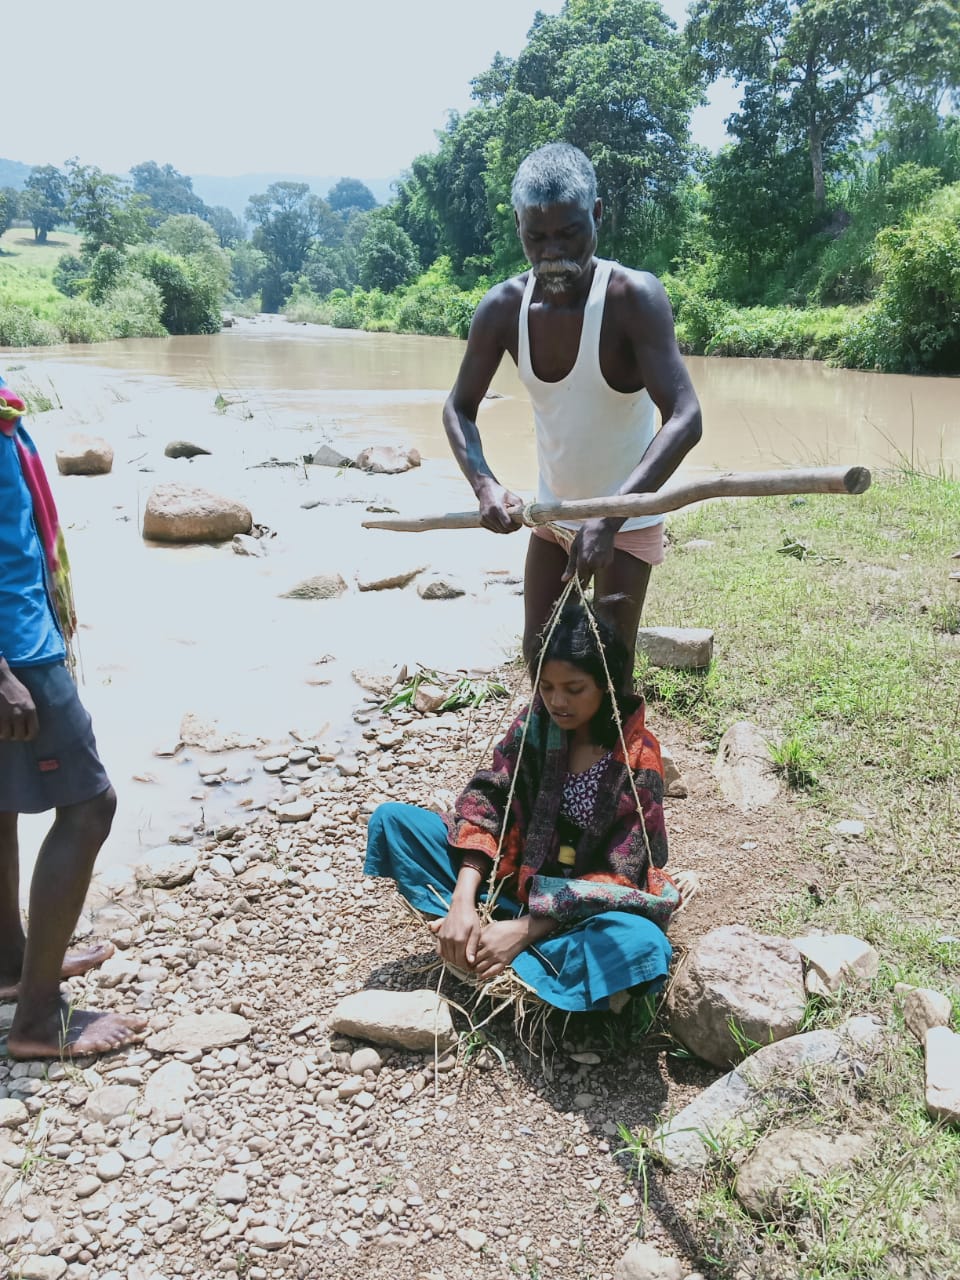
<point>581,902</point>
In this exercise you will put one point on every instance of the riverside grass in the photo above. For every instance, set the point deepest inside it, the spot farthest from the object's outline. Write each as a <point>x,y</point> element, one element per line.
<point>851,657</point>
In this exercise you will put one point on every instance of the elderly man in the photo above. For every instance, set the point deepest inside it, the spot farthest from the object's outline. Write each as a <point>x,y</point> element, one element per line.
<point>48,760</point>
<point>594,345</point>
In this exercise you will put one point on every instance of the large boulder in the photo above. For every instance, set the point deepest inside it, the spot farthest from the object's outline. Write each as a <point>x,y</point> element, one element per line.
<point>405,1019</point>
<point>85,456</point>
<point>387,459</point>
<point>735,990</point>
<point>178,513</point>
<point>744,768</point>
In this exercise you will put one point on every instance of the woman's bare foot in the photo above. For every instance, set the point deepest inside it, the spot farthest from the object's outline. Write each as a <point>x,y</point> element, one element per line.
<point>74,963</point>
<point>73,1033</point>
<point>688,882</point>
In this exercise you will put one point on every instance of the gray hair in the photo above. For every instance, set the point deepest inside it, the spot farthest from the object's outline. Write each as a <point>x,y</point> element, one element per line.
<point>555,174</point>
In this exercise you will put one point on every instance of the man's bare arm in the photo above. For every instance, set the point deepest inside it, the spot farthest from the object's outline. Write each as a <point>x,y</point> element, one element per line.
<point>651,331</point>
<point>485,348</point>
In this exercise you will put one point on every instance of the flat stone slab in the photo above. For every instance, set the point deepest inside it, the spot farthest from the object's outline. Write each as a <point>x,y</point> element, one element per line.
<point>200,1031</point>
<point>943,1075</point>
<point>738,1098</point>
<point>835,960</point>
<point>681,647</point>
<point>371,580</point>
<point>406,1019</point>
<point>744,769</point>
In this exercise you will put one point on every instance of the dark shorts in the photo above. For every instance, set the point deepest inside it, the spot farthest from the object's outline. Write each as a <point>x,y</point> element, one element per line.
<point>60,767</point>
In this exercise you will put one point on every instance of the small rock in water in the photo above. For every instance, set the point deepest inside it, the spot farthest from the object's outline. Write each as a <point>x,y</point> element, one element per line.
<point>387,460</point>
<point>323,586</point>
<point>438,588</point>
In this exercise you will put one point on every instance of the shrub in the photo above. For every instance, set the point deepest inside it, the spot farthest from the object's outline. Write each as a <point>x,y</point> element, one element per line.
<point>21,328</point>
<point>191,299</point>
<point>69,274</point>
<point>913,324</point>
<point>133,309</point>
<point>80,320</point>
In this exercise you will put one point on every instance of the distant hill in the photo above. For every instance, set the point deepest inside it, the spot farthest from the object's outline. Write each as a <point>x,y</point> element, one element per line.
<point>14,174</point>
<point>234,193</point>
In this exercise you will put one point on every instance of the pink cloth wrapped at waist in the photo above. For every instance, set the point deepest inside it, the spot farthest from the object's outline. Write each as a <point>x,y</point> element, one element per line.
<point>644,544</point>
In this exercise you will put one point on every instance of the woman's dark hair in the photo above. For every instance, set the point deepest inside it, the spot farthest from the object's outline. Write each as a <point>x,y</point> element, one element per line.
<point>574,641</point>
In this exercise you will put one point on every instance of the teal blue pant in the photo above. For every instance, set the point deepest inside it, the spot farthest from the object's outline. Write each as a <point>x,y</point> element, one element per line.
<point>578,970</point>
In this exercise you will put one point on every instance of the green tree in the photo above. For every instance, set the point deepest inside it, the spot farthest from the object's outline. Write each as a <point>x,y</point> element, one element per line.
<point>351,195</point>
<point>287,217</point>
<point>226,224</point>
<point>166,189</point>
<point>104,209</point>
<point>819,65</point>
<point>44,199</point>
<point>188,236</point>
<point>9,207</point>
<point>610,76</point>
<point>386,257</point>
<point>756,211</point>
<point>191,300</point>
<point>247,266</point>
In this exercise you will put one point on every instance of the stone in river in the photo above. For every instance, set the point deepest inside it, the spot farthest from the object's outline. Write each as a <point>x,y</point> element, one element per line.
<point>322,586</point>
<point>177,513</point>
<point>85,456</point>
<point>184,449</point>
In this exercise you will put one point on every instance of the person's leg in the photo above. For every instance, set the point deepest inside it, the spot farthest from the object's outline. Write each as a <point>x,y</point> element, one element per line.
<point>408,845</point>
<point>542,587</point>
<point>619,592</point>
<point>13,940</point>
<point>44,1024</point>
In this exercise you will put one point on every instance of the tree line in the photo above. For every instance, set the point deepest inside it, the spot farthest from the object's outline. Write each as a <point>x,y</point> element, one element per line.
<point>829,225</point>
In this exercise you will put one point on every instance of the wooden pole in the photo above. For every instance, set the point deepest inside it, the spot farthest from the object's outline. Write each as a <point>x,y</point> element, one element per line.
<point>730,484</point>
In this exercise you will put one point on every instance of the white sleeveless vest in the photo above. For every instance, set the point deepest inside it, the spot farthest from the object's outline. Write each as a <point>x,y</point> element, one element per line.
<point>589,437</point>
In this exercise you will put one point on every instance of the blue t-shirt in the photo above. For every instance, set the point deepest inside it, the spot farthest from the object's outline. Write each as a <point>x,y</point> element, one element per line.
<point>29,631</point>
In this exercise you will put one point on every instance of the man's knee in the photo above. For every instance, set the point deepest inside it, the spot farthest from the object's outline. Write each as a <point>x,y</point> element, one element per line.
<point>93,818</point>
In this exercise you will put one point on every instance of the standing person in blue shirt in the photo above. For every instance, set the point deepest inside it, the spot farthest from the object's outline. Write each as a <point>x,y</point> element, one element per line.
<point>48,760</point>
<point>594,345</point>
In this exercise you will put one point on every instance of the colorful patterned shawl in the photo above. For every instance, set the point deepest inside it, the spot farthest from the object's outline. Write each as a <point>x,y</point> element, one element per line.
<point>612,870</point>
<point>44,515</point>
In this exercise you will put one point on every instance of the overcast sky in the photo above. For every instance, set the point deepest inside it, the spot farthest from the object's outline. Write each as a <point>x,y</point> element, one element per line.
<point>306,86</point>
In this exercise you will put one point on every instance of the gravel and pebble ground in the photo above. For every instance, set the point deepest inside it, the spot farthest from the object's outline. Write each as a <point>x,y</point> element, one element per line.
<point>258,1146</point>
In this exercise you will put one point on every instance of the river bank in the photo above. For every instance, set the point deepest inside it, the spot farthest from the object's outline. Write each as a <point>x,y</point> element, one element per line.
<point>836,632</point>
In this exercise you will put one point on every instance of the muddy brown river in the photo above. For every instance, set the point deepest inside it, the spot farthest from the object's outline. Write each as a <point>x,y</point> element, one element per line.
<point>167,631</point>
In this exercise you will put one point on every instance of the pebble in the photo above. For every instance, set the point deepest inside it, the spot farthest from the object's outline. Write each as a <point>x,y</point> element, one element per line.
<point>110,1166</point>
